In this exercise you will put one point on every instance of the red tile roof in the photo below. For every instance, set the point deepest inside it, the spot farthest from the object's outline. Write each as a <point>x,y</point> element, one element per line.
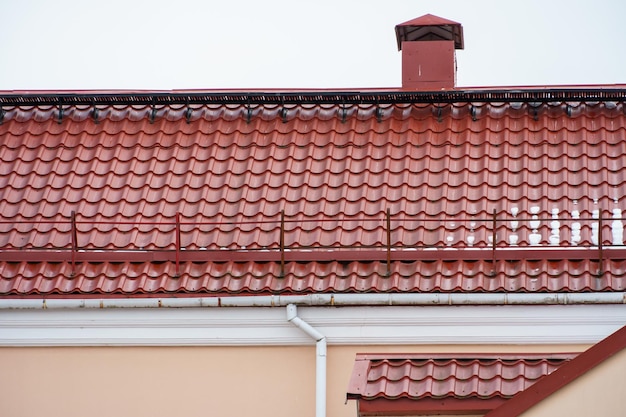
<point>161,278</point>
<point>335,170</point>
<point>443,383</point>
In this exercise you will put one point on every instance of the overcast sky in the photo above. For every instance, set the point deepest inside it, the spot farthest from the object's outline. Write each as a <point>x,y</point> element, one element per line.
<point>246,44</point>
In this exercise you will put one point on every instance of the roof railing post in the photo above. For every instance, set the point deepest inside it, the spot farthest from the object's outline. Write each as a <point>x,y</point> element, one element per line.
<point>178,244</point>
<point>282,243</point>
<point>74,241</point>
<point>388,242</point>
<point>600,249</point>
<point>494,238</point>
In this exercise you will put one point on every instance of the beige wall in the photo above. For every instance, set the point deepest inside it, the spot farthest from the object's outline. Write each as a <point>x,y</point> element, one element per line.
<point>599,392</point>
<point>189,381</point>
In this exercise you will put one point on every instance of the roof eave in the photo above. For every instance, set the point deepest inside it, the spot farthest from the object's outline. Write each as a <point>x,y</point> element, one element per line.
<point>427,406</point>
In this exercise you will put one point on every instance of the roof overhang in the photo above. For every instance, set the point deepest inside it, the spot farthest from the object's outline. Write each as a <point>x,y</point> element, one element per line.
<point>427,406</point>
<point>450,404</point>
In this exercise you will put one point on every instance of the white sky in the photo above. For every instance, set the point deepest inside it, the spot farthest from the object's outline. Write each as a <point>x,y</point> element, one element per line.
<point>246,44</point>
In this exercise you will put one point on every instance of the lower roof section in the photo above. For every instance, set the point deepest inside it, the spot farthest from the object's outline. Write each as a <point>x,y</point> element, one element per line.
<point>253,326</point>
<point>409,384</point>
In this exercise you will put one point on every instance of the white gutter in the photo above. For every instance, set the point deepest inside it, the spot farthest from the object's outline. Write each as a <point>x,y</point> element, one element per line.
<point>399,299</point>
<point>320,358</point>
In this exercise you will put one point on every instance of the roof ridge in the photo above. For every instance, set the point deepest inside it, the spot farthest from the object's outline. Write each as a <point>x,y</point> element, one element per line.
<point>363,96</point>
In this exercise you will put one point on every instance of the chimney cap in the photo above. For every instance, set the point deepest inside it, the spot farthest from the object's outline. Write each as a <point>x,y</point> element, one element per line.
<point>430,28</point>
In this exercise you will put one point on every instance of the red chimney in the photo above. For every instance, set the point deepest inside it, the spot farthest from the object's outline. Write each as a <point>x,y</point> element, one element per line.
<point>428,59</point>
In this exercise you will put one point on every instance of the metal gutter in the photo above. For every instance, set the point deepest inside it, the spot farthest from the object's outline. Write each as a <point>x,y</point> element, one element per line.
<point>395,299</point>
<point>523,95</point>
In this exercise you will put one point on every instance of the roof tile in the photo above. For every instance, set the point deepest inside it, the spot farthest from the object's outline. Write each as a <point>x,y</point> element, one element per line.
<point>458,377</point>
<point>160,278</point>
<point>432,166</point>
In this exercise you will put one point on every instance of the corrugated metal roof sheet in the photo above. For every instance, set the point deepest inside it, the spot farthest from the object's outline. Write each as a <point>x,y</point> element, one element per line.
<point>334,170</point>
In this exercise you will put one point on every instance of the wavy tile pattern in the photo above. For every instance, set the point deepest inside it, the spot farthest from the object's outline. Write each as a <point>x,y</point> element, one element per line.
<point>440,170</point>
<point>200,278</point>
<point>454,378</point>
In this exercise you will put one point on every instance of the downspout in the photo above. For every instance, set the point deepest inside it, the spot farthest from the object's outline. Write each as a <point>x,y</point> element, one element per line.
<point>320,358</point>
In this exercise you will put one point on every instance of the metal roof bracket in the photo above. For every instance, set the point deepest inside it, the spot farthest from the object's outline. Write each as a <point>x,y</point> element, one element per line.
<point>532,108</point>
<point>283,114</point>
<point>388,232</point>
<point>60,115</point>
<point>473,112</point>
<point>153,112</point>
<point>379,113</point>
<point>178,240</point>
<point>600,249</point>
<point>494,241</point>
<point>248,112</point>
<point>343,113</point>
<point>282,243</point>
<point>95,113</point>
<point>74,243</point>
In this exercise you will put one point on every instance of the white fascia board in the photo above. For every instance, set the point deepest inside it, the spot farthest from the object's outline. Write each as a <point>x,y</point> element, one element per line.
<point>369,325</point>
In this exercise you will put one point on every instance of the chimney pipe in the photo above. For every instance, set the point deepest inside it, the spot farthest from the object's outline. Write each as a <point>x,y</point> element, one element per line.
<point>428,58</point>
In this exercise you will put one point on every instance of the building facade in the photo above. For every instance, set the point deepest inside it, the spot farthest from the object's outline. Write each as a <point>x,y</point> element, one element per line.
<point>228,252</point>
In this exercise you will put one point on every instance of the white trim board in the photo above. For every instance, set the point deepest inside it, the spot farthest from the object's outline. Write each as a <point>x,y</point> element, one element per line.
<point>252,326</point>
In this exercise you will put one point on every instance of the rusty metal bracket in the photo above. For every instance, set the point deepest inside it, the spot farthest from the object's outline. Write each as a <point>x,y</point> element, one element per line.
<point>379,113</point>
<point>153,113</point>
<point>343,112</point>
<point>494,237</point>
<point>600,249</point>
<point>60,115</point>
<point>282,243</point>
<point>248,113</point>
<point>74,234</point>
<point>95,114</point>
<point>178,244</point>
<point>388,242</point>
